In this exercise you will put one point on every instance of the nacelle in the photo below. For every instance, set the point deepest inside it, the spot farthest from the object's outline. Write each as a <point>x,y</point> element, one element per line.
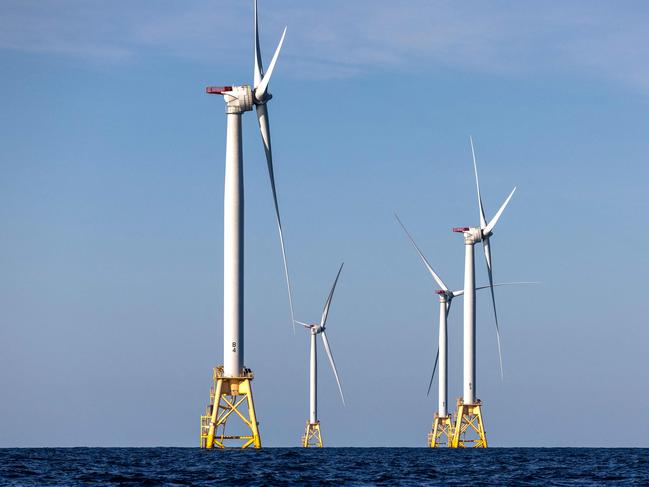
<point>238,99</point>
<point>471,235</point>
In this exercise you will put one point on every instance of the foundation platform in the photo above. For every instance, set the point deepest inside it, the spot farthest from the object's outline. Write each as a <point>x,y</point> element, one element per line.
<point>441,434</point>
<point>230,402</point>
<point>312,437</point>
<point>469,426</point>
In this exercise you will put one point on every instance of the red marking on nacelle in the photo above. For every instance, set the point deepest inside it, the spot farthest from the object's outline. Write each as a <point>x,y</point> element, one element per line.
<point>440,292</point>
<point>461,229</point>
<point>217,90</point>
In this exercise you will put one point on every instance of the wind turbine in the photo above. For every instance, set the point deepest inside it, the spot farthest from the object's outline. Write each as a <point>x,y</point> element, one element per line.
<point>469,414</point>
<point>232,381</point>
<point>442,423</point>
<point>312,436</point>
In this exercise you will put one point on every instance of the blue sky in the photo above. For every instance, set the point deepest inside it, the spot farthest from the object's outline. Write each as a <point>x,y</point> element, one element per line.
<point>111,210</point>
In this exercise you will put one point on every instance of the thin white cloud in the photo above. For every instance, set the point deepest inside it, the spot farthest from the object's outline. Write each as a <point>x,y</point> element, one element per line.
<point>346,39</point>
<point>60,28</point>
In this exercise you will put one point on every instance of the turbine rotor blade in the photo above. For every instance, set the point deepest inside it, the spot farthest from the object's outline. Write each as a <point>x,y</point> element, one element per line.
<point>460,292</point>
<point>421,255</point>
<point>447,310</point>
<point>432,376</point>
<point>305,325</point>
<point>489,228</point>
<point>259,68</point>
<point>487,253</point>
<point>262,88</point>
<point>325,310</point>
<point>514,283</point>
<point>333,365</point>
<point>264,127</point>
<point>483,219</point>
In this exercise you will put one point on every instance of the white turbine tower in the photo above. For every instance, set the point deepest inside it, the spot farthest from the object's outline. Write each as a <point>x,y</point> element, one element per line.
<point>442,430</point>
<point>469,414</point>
<point>232,386</point>
<point>312,435</point>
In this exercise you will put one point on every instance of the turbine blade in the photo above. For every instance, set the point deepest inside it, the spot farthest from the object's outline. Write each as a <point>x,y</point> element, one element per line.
<point>460,292</point>
<point>264,127</point>
<point>331,361</point>
<point>506,284</point>
<point>260,91</point>
<point>487,253</point>
<point>325,311</point>
<point>259,68</point>
<point>305,325</point>
<point>489,228</point>
<point>432,376</point>
<point>424,260</point>
<point>483,219</point>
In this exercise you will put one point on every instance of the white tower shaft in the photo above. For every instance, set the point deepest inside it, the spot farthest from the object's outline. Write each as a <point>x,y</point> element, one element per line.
<point>233,250</point>
<point>443,362</point>
<point>469,322</point>
<point>313,384</point>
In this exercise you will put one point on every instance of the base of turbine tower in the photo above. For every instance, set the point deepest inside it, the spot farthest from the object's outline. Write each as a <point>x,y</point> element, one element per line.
<point>441,434</point>
<point>469,426</point>
<point>312,437</point>
<point>230,404</point>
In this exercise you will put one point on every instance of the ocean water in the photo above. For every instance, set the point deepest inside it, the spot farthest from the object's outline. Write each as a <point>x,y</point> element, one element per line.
<point>328,466</point>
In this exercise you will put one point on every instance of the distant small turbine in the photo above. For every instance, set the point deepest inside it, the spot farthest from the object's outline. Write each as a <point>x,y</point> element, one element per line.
<point>312,435</point>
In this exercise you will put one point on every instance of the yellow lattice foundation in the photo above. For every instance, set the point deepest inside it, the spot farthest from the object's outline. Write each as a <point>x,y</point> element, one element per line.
<point>228,397</point>
<point>441,434</point>
<point>312,437</point>
<point>469,426</point>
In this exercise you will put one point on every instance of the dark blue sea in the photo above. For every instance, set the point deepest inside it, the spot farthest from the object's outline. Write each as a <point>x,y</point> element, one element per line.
<point>329,466</point>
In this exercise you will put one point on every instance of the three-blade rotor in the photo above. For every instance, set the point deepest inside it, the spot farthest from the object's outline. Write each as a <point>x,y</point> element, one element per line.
<point>449,295</point>
<point>261,98</point>
<point>320,329</point>
<point>487,230</point>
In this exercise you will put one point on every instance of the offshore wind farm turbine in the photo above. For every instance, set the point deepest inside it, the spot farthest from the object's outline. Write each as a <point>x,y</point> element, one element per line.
<point>232,381</point>
<point>469,419</point>
<point>443,429</point>
<point>442,423</point>
<point>312,436</point>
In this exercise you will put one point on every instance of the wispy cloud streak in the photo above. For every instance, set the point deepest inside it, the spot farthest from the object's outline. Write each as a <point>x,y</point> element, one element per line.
<point>345,39</point>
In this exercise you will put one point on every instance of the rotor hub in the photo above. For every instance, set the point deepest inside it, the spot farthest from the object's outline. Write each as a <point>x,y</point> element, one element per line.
<point>261,101</point>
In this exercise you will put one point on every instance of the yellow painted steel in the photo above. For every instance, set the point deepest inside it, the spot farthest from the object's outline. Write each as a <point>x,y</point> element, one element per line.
<point>441,434</point>
<point>227,396</point>
<point>312,437</point>
<point>469,426</point>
